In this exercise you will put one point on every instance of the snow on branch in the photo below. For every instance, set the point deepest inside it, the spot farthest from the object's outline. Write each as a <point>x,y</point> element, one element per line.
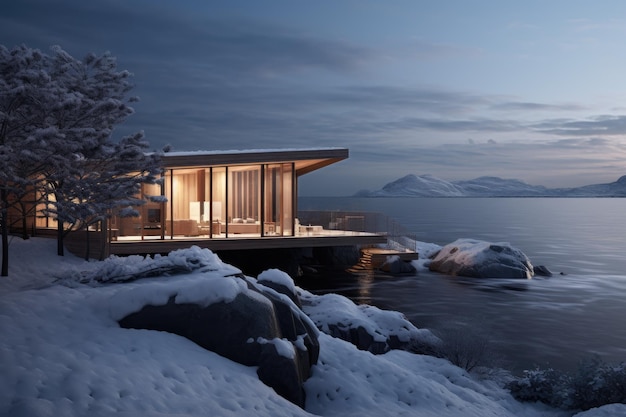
<point>125,269</point>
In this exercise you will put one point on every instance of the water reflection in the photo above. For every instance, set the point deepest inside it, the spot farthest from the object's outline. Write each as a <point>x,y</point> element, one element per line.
<point>366,282</point>
<point>492,285</point>
<point>356,286</point>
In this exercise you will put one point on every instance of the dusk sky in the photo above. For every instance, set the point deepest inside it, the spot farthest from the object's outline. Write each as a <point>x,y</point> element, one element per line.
<point>532,90</point>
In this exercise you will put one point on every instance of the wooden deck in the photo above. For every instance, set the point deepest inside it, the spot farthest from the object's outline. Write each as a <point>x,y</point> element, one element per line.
<point>130,247</point>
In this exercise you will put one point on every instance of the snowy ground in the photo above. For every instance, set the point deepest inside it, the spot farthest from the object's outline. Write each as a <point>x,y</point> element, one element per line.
<point>62,353</point>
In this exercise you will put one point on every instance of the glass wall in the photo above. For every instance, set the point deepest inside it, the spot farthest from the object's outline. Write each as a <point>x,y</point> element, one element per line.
<point>244,201</point>
<point>288,181</point>
<point>216,202</point>
<point>273,203</point>
<point>278,200</point>
<point>181,189</point>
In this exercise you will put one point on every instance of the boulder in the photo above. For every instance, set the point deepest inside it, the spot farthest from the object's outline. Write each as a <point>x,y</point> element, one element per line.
<point>359,337</point>
<point>280,282</point>
<point>366,327</point>
<point>396,266</point>
<point>480,259</point>
<point>542,271</point>
<point>256,328</point>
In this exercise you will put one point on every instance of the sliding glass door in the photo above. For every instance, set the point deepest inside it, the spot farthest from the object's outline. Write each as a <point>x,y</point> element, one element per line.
<point>278,200</point>
<point>244,201</point>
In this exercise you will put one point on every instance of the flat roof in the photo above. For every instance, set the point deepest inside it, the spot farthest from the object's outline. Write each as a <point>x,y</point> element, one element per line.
<point>306,160</point>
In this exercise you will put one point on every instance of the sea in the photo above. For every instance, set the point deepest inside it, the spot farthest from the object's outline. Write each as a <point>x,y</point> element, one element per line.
<point>578,314</point>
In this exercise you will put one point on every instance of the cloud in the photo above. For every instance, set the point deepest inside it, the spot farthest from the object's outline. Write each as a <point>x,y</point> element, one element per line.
<point>428,50</point>
<point>414,99</point>
<point>212,82</point>
<point>604,125</point>
<point>209,81</point>
<point>531,106</point>
<point>203,81</point>
<point>553,163</point>
<point>177,36</point>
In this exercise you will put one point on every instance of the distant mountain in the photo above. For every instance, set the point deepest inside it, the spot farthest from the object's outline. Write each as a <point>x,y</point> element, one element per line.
<point>429,186</point>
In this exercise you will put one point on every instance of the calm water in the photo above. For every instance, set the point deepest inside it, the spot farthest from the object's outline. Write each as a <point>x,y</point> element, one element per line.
<point>553,321</point>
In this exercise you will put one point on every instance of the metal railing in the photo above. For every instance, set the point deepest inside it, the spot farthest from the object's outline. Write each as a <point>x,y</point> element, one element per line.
<point>398,237</point>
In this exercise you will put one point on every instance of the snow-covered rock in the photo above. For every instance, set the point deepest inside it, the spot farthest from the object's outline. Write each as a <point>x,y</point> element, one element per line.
<point>129,268</point>
<point>480,259</point>
<point>367,327</point>
<point>247,325</point>
<point>280,281</point>
<point>396,266</point>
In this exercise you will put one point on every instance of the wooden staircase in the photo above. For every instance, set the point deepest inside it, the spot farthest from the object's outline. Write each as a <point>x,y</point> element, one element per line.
<point>365,262</point>
<point>375,258</point>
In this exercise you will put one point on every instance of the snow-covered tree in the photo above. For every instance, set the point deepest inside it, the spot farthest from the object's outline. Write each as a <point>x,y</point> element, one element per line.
<point>109,179</point>
<point>57,116</point>
<point>24,81</point>
<point>94,174</point>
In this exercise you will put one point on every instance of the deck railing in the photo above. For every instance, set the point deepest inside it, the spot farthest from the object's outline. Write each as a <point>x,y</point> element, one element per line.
<point>398,237</point>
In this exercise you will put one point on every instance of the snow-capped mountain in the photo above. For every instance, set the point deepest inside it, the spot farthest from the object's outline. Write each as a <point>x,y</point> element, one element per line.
<point>422,186</point>
<point>488,186</point>
<point>612,189</point>
<point>429,186</point>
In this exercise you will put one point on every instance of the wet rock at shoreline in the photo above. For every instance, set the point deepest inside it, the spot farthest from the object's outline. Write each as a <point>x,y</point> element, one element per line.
<point>396,266</point>
<point>542,271</point>
<point>367,327</point>
<point>480,259</point>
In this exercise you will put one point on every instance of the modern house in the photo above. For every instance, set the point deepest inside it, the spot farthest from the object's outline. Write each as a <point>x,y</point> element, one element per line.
<point>223,200</point>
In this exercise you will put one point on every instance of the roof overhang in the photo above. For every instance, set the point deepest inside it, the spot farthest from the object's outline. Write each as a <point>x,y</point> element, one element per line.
<point>305,160</point>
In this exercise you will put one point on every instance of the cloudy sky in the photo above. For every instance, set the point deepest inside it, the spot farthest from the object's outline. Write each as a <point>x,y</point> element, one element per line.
<point>533,90</point>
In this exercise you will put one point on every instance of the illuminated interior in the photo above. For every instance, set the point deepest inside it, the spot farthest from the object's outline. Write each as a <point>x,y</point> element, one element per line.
<point>215,202</point>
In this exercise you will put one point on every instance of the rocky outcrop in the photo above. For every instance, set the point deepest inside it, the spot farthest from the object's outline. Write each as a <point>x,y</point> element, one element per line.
<point>480,259</point>
<point>367,327</point>
<point>259,327</point>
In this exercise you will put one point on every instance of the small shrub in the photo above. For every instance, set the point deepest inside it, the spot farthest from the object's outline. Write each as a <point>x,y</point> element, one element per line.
<point>594,384</point>
<point>466,348</point>
<point>544,385</point>
<point>597,383</point>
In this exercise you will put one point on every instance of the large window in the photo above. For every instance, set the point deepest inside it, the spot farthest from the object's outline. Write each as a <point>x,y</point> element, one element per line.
<point>181,188</point>
<point>149,221</point>
<point>278,201</point>
<point>243,200</point>
<point>217,202</point>
<point>273,202</point>
<point>215,208</point>
<point>288,200</point>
